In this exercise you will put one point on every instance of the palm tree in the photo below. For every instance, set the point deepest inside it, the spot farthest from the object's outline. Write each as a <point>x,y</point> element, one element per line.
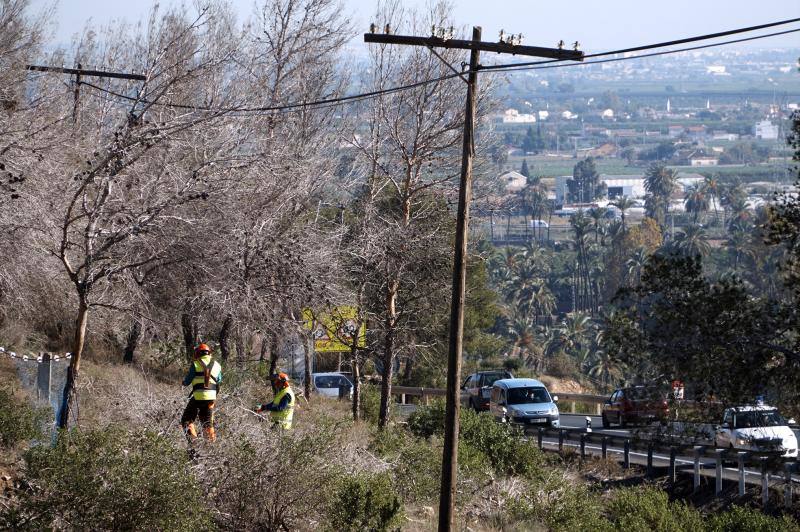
<point>740,214</point>
<point>659,182</point>
<point>712,187</point>
<point>636,265</point>
<point>598,214</point>
<point>696,201</point>
<point>623,203</point>
<point>692,242</point>
<point>740,246</point>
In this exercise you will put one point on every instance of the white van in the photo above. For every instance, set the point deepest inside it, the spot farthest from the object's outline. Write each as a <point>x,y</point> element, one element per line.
<point>538,223</point>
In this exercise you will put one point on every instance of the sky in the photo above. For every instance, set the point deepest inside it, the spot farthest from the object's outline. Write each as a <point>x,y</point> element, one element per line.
<point>597,25</point>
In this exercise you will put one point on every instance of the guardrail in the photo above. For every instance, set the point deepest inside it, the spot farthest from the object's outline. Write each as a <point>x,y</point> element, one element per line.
<point>770,465</point>
<point>573,399</point>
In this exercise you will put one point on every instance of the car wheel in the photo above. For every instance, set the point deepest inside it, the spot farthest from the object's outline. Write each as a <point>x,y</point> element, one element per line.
<point>606,424</point>
<point>472,404</point>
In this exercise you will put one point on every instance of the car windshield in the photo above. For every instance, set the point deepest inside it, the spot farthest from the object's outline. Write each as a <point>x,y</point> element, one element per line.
<point>764,418</point>
<point>524,396</point>
<point>331,381</point>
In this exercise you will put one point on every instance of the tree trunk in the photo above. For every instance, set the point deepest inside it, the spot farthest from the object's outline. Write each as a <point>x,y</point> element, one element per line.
<point>189,326</point>
<point>132,342</point>
<point>388,354</point>
<point>75,363</point>
<point>273,354</point>
<point>356,369</point>
<point>307,369</point>
<point>224,337</point>
<point>262,353</point>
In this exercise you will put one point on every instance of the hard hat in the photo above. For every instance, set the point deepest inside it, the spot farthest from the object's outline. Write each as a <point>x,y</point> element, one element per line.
<point>279,380</point>
<point>200,349</point>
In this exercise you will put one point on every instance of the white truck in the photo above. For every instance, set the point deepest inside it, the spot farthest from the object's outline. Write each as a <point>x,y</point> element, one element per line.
<point>756,428</point>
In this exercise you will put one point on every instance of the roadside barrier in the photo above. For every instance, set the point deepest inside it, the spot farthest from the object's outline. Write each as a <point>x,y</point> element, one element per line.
<point>765,468</point>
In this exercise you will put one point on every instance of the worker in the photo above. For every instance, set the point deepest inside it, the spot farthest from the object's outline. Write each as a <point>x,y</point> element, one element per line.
<point>281,409</point>
<point>205,376</point>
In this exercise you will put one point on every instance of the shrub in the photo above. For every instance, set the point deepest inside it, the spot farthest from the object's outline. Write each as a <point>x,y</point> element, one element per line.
<point>502,444</point>
<point>428,420</point>
<point>370,403</point>
<point>365,502</point>
<point>562,366</point>
<point>740,519</point>
<point>18,420</point>
<point>108,479</point>
<point>558,503</point>
<point>417,463</point>
<point>650,509</point>
<point>273,480</point>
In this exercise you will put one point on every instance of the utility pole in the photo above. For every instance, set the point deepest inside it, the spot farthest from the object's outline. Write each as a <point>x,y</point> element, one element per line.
<point>442,38</point>
<point>80,72</point>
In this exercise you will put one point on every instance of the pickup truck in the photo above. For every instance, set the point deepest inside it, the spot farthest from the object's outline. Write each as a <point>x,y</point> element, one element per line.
<point>756,428</point>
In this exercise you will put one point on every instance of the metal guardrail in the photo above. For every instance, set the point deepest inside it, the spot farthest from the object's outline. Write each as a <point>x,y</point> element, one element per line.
<point>771,465</point>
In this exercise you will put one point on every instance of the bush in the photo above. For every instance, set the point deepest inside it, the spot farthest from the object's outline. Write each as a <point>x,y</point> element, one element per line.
<point>108,480</point>
<point>18,420</point>
<point>417,463</point>
<point>273,480</point>
<point>365,502</point>
<point>558,503</point>
<point>739,519</point>
<point>428,420</point>
<point>650,509</point>
<point>563,366</point>
<point>370,403</point>
<point>502,444</point>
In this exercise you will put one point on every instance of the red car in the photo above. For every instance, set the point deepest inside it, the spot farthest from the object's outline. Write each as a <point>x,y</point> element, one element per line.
<point>635,404</point>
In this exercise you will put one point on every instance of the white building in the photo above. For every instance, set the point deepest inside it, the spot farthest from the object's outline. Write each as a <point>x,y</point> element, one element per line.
<point>704,161</point>
<point>716,70</point>
<point>631,186</point>
<point>512,116</point>
<point>766,130</point>
<point>513,181</point>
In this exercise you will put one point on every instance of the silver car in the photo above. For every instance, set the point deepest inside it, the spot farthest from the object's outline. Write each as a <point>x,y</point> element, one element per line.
<point>328,384</point>
<point>524,401</point>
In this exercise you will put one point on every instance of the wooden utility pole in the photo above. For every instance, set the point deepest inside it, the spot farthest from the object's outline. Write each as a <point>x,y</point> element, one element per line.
<point>441,39</point>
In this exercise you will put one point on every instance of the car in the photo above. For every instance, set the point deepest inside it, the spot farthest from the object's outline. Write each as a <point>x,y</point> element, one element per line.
<point>538,223</point>
<point>478,386</point>
<point>756,428</point>
<point>328,384</point>
<point>524,401</point>
<point>635,404</point>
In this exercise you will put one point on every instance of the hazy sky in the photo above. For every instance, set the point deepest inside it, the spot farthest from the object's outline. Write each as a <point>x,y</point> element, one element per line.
<point>597,24</point>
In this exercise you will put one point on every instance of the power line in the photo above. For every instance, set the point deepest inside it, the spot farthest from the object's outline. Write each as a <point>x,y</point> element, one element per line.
<point>661,44</point>
<point>536,65</point>
<point>519,68</point>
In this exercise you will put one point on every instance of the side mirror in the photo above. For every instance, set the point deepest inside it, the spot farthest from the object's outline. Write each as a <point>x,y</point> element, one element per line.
<point>555,398</point>
<point>505,410</point>
<point>791,422</point>
<point>725,425</point>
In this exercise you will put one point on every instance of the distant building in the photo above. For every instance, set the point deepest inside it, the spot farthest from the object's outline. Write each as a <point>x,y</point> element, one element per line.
<point>766,130</point>
<point>724,135</point>
<point>569,115</point>
<point>631,186</point>
<point>607,114</point>
<point>513,182</point>
<point>543,115</point>
<point>703,161</point>
<point>716,70</point>
<point>675,131</point>
<point>512,116</point>
<point>697,132</point>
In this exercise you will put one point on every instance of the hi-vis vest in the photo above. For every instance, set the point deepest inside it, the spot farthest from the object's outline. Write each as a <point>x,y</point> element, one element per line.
<point>284,417</point>
<point>205,389</point>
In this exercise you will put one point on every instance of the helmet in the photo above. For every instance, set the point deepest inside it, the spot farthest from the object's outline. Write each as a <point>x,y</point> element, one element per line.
<point>279,380</point>
<point>201,349</point>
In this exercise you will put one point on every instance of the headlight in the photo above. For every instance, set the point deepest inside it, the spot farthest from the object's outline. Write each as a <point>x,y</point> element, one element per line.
<point>554,410</point>
<point>741,442</point>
